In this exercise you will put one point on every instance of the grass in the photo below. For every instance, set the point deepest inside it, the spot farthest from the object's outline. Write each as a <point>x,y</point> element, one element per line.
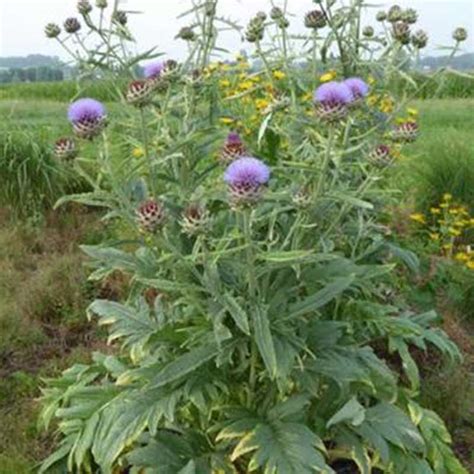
<point>58,91</point>
<point>442,159</point>
<point>43,296</point>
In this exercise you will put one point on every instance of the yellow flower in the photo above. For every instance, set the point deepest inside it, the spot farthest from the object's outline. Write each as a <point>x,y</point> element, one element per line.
<point>372,99</point>
<point>447,197</point>
<point>262,104</point>
<point>138,152</point>
<point>387,105</point>
<point>328,76</point>
<point>418,217</point>
<point>371,80</point>
<point>470,264</point>
<point>448,246</point>
<point>307,97</point>
<point>444,205</point>
<point>471,222</point>
<point>246,85</point>
<point>454,211</point>
<point>434,236</point>
<point>279,75</point>
<point>226,120</point>
<point>224,83</point>
<point>462,257</point>
<point>435,210</point>
<point>454,232</point>
<point>412,112</point>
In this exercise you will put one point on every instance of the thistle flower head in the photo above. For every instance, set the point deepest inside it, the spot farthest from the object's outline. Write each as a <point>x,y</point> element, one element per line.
<point>247,171</point>
<point>357,86</point>
<point>233,148</point>
<point>87,117</point>
<point>332,99</point>
<point>246,178</point>
<point>333,92</point>
<point>86,109</point>
<point>154,70</point>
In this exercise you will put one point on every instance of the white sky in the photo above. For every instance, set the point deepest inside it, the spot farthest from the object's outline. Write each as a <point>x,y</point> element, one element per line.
<point>22,21</point>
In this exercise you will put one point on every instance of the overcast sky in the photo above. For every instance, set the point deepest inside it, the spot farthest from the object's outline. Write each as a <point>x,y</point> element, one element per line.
<point>22,21</point>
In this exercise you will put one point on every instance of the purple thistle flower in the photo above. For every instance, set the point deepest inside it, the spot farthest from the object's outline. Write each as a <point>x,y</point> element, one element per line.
<point>333,93</point>
<point>234,138</point>
<point>233,148</point>
<point>86,109</point>
<point>331,100</point>
<point>154,70</point>
<point>87,117</point>
<point>246,177</point>
<point>247,171</point>
<point>357,86</point>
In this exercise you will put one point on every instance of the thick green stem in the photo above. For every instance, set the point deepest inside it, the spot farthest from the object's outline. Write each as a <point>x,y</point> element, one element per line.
<point>146,147</point>
<point>326,162</point>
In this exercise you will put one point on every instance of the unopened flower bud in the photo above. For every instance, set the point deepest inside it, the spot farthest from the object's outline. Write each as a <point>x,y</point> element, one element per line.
<point>401,32</point>
<point>101,4</point>
<point>150,215</point>
<point>84,7</point>
<point>139,92</point>
<point>394,14</point>
<point>65,148</point>
<point>210,8</point>
<point>419,39</point>
<point>410,16</point>
<point>460,34</point>
<point>405,132</point>
<point>381,16</point>
<point>186,33</point>
<point>195,220</point>
<point>381,156</point>
<point>255,29</point>
<point>302,198</point>
<point>72,25</point>
<point>315,19</point>
<point>120,17</point>
<point>52,30</point>
<point>233,148</point>
<point>368,32</point>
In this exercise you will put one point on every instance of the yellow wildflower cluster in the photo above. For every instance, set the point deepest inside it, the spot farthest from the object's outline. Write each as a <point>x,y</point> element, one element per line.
<point>447,225</point>
<point>383,102</point>
<point>328,76</point>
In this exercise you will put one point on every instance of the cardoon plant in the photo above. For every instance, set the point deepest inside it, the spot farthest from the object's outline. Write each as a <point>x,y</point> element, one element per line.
<point>256,335</point>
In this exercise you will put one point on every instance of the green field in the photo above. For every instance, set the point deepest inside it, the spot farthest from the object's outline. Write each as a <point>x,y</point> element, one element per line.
<point>42,321</point>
